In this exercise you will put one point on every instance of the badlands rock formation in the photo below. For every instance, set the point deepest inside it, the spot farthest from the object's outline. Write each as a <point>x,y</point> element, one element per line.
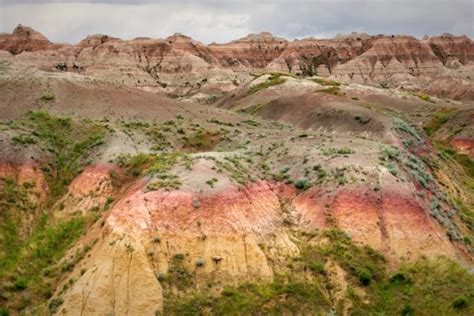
<point>309,181</point>
<point>179,65</point>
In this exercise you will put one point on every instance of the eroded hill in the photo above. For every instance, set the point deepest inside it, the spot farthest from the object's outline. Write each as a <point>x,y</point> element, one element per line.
<point>290,194</point>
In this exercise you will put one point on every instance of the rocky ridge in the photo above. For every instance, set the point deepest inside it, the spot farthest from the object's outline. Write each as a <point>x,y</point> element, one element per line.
<point>179,65</point>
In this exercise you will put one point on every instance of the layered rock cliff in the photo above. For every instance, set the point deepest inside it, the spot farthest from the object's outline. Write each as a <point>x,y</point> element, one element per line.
<point>179,65</point>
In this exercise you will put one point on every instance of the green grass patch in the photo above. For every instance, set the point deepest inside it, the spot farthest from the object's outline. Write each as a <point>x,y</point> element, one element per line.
<point>326,82</point>
<point>464,160</point>
<point>165,181</point>
<point>438,119</point>
<point>334,90</point>
<point>150,164</point>
<point>425,97</point>
<point>280,297</point>
<point>274,80</point>
<point>202,140</point>
<point>68,142</point>
<point>30,252</point>
<point>429,287</point>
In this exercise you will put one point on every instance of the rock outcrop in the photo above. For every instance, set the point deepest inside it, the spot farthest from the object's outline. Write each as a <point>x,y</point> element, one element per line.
<point>24,39</point>
<point>179,65</point>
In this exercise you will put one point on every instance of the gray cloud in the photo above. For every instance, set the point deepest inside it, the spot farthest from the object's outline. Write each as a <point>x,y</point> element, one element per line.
<point>221,21</point>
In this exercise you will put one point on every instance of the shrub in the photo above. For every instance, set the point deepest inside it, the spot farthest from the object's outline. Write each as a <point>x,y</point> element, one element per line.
<point>317,267</point>
<point>108,201</point>
<point>364,277</point>
<point>402,126</point>
<point>345,151</point>
<point>335,90</point>
<point>400,278</point>
<point>169,182</point>
<point>21,283</point>
<point>460,302</point>
<point>179,256</point>
<point>160,276</point>
<point>200,262</point>
<point>392,168</point>
<point>47,96</point>
<point>302,184</point>
<point>23,139</point>
<point>407,310</point>
<point>54,304</point>
<point>211,182</point>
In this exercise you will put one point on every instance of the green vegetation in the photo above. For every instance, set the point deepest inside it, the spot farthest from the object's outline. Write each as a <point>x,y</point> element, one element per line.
<point>438,119</point>
<point>149,164</point>
<point>337,151</point>
<point>253,109</point>
<point>338,174</point>
<point>219,122</point>
<point>430,287</point>
<point>30,260</point>
<point>273,80</point>
<point>442,208</point>
<point>302,184</point>
<point>211,182</point>
<point>309,66</point>
<point>23,139</point>
<point>178,275</point>
<point>32,242</point>
<point>202,140</point>
<point>276,298</point>
<point>326,82</point>
<point>425,287</point>
<point>402,126</point>
<point>68,142</point>
<point>334,90</point>
<point>200,262</point>
<point>165,182</point>
<point>465,181</point>
<point>464,160</point>
<point>47,96</point>
<point>251,123</point>
<point>425,97</point>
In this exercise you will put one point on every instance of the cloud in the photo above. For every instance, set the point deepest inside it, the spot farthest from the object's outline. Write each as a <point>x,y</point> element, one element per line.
<point>221,21</point>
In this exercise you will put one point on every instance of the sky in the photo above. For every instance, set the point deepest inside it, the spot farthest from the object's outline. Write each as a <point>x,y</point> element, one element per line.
<point>221,21</point>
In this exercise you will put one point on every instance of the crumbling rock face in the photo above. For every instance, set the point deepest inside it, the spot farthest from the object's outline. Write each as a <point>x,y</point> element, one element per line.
<point>453,88</point>
<point>464,145</point>
<point>452,50</point>
<point>118,279</point>
<point>28,175</point>
<point>87,191</point>
<point>253,51</point>
<point>387,220</point>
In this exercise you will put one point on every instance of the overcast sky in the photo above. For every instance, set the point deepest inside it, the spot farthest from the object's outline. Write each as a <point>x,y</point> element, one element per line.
<point>222,21</point>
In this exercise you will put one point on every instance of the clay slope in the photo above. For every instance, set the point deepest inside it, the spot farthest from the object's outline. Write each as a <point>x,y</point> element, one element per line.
<point>180,66</point>
<point>151,199</point>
